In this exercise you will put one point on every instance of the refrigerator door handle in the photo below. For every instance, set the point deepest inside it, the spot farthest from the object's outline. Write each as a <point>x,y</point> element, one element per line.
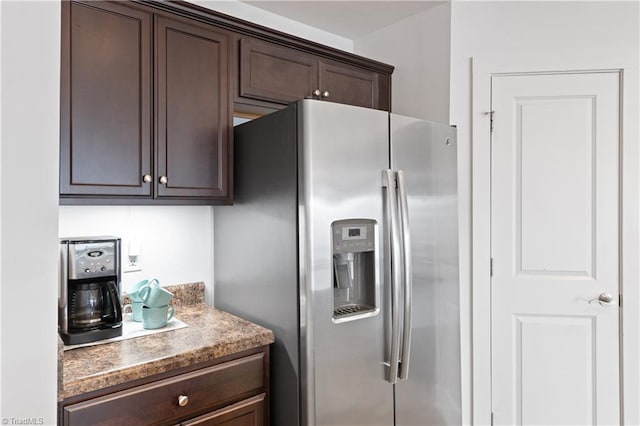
<point>396,277</point>
<point>408,284</point>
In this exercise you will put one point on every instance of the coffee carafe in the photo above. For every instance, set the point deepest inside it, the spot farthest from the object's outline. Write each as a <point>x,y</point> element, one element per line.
<point>89,298</point>
<point>92,304</point>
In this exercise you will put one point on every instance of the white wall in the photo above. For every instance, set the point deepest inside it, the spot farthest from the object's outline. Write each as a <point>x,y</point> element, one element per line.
<point>539,30</point>
<point>176,242</point>
<point>418,46</point>
<point>30,54</point>
<point>271,20</point>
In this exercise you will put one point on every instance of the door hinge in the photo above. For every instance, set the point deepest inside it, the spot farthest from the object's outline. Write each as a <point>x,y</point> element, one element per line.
<point>491,267</point>
<point>620,300</point>
<point>490,114</point>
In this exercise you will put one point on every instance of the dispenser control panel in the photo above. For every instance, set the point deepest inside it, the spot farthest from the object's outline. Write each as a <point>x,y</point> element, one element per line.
<point>353,237</point>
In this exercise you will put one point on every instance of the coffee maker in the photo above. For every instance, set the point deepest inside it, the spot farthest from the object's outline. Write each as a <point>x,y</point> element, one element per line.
<point>89,294</point>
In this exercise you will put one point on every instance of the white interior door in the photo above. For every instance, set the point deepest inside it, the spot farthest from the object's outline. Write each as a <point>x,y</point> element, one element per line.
<point>555,249</point>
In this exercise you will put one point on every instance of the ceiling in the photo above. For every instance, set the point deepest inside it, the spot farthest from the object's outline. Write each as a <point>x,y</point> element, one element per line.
<point>349,19</point>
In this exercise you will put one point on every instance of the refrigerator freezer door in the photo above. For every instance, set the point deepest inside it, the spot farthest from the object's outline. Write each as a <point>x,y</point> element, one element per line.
<point>256,247</point>
<point>342,153</point>
<point>426,153</point>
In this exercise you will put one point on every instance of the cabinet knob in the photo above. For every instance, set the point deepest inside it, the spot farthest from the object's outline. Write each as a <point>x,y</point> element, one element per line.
<point>164,180</point>
<point>316,92</point>
<point>183,400</point>
<point>325,94</point>
<point>147,178</point>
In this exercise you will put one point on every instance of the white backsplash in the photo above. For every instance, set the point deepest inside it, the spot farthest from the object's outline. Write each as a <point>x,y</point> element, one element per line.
<point>176,242</point>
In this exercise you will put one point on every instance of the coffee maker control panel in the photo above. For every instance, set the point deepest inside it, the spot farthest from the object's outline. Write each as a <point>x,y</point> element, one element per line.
<point>92,259</point>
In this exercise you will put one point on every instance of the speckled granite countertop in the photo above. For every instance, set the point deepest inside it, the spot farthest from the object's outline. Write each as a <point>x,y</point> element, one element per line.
<point>210,334</point>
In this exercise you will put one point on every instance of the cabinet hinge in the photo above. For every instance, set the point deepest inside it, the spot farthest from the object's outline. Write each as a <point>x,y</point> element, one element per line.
<point>492,419</point>
<point>620,300</point>
<point>490,114</point>
<point>491,266</point>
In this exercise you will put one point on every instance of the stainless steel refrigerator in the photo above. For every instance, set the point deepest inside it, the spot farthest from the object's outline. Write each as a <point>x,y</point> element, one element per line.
<point>343,240</point>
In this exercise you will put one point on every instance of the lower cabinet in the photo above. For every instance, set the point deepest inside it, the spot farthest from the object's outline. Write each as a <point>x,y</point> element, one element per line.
<point>233,393</point>
<point>249,412</point>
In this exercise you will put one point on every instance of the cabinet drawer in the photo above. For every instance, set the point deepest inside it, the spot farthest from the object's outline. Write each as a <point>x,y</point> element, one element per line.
<point>157,403</point>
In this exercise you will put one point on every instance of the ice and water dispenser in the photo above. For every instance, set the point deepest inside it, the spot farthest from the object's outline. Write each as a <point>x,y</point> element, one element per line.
<point>354,271</point>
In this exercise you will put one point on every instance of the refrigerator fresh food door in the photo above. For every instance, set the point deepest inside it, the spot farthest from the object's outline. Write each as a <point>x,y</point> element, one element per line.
<point>342,151</point>
<point>426,153</point>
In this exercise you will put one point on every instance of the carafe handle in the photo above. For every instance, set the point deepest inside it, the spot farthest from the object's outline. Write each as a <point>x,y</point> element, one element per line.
<point>113,298</point>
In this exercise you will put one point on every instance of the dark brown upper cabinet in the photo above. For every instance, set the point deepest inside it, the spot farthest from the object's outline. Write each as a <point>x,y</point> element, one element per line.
<point>275,75</point>
<point>106,119</point>
<point>193,111</point>
<point>149,90</point>
<point>345,84</point>
<point>140,126</point>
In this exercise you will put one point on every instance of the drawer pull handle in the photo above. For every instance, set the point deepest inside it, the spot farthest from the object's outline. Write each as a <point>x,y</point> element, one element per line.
<point>183,400</point>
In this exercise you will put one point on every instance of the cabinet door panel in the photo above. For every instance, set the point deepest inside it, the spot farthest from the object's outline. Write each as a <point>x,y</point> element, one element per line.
<point>249,412</point>
<point>193,105</point>
<point>276,74</point>
<point>349,85</point>
<point>106,87</point>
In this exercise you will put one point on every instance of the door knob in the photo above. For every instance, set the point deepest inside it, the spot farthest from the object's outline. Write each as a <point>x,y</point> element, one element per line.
<point>147,178</point>
<point>164,180</point>
<point>603,299</point>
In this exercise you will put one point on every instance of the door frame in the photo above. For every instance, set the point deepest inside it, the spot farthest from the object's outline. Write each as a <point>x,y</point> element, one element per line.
<point>483,69</point>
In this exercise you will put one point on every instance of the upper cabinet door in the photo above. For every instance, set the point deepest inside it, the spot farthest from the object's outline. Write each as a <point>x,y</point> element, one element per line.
<point>276,74</point>
<point>193,104</point>
<point>106,88</point>
<point>345,84</point>
<point>271,75</point>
